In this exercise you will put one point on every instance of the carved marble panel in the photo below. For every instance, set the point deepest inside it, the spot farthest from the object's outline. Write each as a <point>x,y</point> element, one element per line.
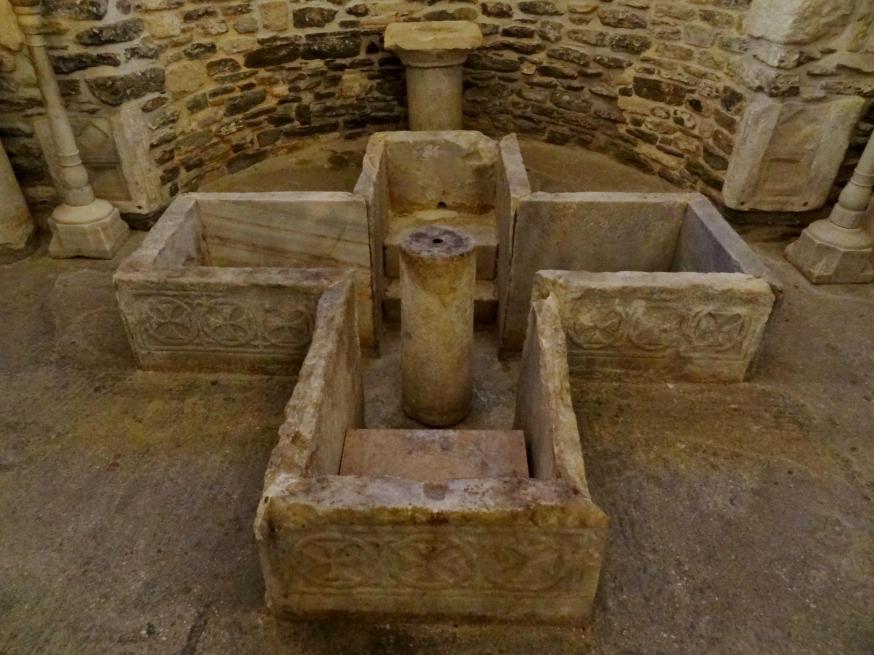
<point>495,549</point>
<point>685,326</point>
<point>657,330</point>
<point>261,328</point>
<point>232,281</point>
<point>788,153</point>
<point>183,315</point>
<point>222,321</point>
<point>115,151</point>
<point>485,547</point>
<point>583,231</point>
<point>410,560</point>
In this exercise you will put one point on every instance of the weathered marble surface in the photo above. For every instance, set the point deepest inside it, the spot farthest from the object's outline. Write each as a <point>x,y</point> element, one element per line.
<point>438,275</point>
<point>115,152</point>
<point>328,399</point>
<point>16,225</point>
<point>659,234</point>
<point>788,152</point>
<point>183,313</point>
<point>702,327</point>
<point>494,549</point>
<point>585,231</point>
<point>435,455</point>
<point>480,227</point>
<point>708,244</point>
<point>291,229</point>
<point>511,186</point>
<point>412,179</point>
<point>425,169</point>
<point>372,185</point>
<point>544,409</point>
<point>798,22</point>
<point>485,302</point>
<point>433,35</point>
<point>283,229</point>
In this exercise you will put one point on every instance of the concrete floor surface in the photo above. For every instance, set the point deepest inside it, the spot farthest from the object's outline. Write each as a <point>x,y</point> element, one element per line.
<point>742,516</point>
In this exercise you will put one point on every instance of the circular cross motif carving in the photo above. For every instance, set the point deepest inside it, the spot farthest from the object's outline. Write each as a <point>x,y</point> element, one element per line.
<point>719,330</point>
<point>597,330</point>
<point>289,328</point>
<point>170,321</point>
<point>656,328</point>
<point>539,565</point>
<point>333,561</point>
<point>228,323</point>
<point>429,562</point>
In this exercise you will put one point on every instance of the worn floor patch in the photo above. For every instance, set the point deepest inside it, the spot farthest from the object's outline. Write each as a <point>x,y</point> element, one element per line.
<point>742,518</point>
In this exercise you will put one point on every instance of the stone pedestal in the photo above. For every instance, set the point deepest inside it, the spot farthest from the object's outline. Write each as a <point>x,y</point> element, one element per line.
<point>82,225</point>
<point>433,54</point>
<point>438,275</point>
<point>16,226</point>
<point>838,250</point>
<point>94,230</point>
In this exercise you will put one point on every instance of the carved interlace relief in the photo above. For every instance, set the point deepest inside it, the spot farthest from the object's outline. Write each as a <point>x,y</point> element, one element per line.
<point>401,559</point>
<point>196,322</point>
<point>656,330</point>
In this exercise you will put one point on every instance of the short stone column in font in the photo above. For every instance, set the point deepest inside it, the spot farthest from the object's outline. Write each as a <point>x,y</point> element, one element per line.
<point>82,225</point>
<point>438,274</point>
<point>433,54</point>
<point>838,250</point>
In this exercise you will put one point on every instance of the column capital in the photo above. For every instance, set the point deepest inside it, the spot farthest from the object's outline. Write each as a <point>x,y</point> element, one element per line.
<point>29,16</point>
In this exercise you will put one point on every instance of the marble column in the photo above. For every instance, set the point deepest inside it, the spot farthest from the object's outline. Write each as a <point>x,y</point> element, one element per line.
<point>16,225</point>
<point>82,225</point>
<point>838,250</point>
<point>438,274</point>
<point>433,53</point>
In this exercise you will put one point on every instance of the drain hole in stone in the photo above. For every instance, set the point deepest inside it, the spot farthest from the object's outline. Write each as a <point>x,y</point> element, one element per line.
<point>441,205</point>
<point>437,240</point>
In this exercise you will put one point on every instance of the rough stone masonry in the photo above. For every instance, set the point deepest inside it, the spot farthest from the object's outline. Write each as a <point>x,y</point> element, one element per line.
<point>659,84</point>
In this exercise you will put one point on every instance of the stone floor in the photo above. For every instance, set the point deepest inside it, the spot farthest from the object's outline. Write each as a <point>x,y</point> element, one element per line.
<point>742,515</point>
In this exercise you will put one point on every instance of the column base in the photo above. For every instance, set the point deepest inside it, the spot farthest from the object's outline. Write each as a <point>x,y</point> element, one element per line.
<point>94,230</point>
<point>829,254</point>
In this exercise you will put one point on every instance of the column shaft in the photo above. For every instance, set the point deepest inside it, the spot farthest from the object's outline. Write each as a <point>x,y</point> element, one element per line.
<point>434,97</point>
<point>438,274</point>
<point>81,225</point>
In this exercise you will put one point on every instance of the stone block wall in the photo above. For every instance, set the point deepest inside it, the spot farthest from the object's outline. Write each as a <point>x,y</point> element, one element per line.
<point>219,86</point>
<point>663,84</point>
<point>646,81</point>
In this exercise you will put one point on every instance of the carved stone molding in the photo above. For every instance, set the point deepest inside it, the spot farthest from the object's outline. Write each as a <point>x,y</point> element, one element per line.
<point>430,561</point>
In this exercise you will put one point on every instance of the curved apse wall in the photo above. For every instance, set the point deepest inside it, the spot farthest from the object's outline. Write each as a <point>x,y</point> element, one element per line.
<point>165,94</point>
